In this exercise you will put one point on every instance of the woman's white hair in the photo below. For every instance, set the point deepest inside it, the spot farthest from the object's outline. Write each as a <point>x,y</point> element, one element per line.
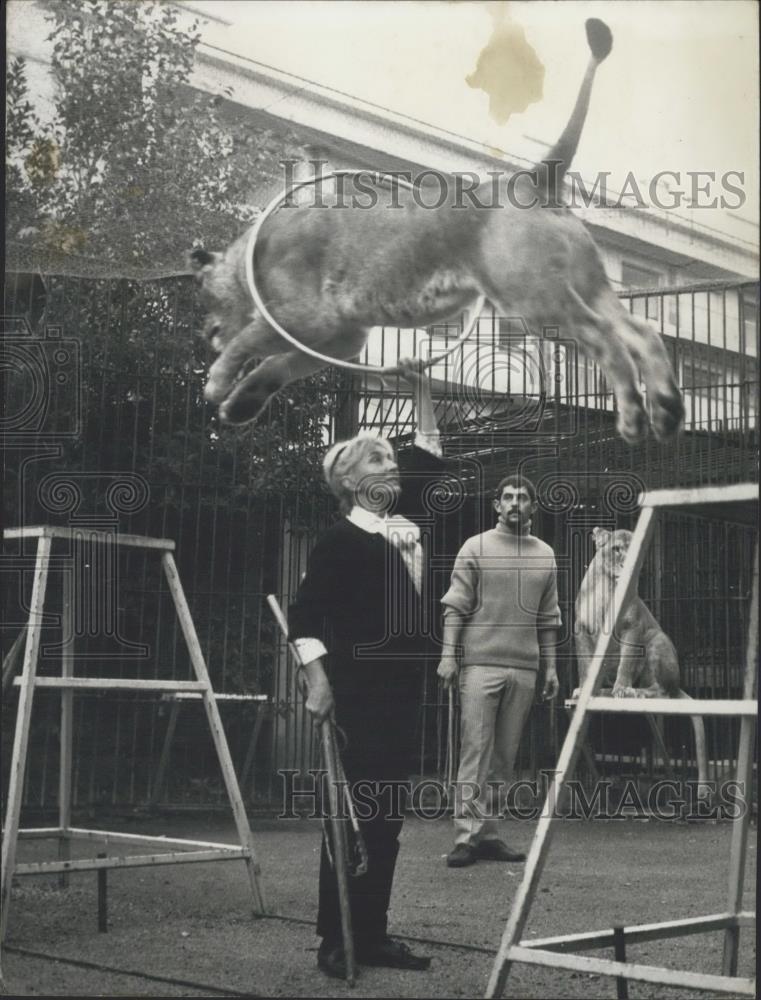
<point>341,459</point>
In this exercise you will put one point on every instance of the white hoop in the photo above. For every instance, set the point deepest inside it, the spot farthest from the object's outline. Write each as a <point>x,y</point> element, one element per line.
<point>378,178</point>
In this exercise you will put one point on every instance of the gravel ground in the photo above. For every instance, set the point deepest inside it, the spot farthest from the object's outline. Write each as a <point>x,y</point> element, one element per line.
<point>192,923</point>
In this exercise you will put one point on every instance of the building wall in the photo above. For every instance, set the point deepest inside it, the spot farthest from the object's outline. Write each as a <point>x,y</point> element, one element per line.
<point>359,135</point>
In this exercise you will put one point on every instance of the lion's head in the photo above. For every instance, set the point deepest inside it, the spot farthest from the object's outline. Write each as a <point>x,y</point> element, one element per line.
<point>612,547</point>
<point>224,295</point>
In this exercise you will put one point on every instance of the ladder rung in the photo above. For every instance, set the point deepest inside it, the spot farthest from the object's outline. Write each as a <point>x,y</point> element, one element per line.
<point>733,493</point>
<point>85,534</point>
<point>639,933</point>
<point>633,970</point>
<point>255,699</point>
<point>674,706</point>
<point>132,861</point>
<point>114,684</point>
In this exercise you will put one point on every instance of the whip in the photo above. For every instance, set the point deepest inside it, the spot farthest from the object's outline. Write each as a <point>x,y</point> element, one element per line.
<point>336,779</point>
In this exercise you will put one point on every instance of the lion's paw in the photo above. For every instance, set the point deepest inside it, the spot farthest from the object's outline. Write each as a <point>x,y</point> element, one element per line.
<point>214,391</point>
<point>624,692</point>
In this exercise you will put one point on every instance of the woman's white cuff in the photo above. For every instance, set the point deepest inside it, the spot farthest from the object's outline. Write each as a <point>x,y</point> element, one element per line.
<point>309,649</point>
<point>429,441</point>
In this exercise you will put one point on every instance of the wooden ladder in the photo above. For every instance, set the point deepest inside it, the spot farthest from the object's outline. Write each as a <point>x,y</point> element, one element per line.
<point>558,952</point>
<point>180,851</point>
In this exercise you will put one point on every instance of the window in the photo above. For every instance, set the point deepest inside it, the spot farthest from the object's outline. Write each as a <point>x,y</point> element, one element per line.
<point>715,395</point>
<point>633,278</point>
<point>749,307</point>
<point>512,331</point>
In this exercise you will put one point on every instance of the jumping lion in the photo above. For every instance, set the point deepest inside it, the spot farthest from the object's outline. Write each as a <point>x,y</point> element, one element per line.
<point>328,276</point>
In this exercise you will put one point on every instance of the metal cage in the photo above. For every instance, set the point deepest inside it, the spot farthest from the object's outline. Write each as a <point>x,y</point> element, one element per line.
<point>106,428</point>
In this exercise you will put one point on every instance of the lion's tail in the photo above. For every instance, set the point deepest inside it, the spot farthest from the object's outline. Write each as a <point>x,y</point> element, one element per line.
<point>553,167</point>
<point>701,753</point>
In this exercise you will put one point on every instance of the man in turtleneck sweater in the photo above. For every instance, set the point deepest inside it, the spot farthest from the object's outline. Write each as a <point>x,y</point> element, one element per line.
<point>501,615</point>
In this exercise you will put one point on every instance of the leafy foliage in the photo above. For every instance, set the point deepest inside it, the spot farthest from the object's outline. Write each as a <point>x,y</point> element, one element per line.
<point>132,167</point>
<point>21,126</point>
<point>135,162</point>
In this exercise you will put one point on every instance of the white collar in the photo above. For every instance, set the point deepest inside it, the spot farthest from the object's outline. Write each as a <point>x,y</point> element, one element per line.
<point>368,520</point>
<point>375,524</point>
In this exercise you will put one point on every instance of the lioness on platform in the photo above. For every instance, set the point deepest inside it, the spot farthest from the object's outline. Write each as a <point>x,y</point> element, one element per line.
<point>329,275</point>
<point>643,661</point>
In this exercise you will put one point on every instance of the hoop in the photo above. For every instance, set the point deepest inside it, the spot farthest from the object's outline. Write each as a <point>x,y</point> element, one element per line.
<point>378,178</point>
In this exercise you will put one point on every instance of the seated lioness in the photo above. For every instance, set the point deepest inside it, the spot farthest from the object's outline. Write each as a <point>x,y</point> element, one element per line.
<point>642,661</point>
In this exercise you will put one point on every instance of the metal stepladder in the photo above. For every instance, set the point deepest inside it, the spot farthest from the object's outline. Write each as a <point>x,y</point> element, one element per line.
<point>169,850</point>
<point>558,952</point>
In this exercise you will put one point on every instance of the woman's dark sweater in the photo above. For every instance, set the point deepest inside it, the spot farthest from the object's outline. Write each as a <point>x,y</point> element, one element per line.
<point>357,595</point>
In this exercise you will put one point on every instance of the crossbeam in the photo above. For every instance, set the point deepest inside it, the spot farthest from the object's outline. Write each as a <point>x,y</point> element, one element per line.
<point>672,706</point>
<point>114,684</point>
<point>700,495</point>
<point>132,861</point>
<point>89,535</point>
<point>638,933</point>
<point>191,696</point>
<point>114,837</point>
<point>41,832</point>
<point>632,970</point>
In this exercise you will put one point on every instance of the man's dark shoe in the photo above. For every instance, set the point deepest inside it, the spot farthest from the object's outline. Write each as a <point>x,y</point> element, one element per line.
<point>461,856</point>
<point>497,850</point>
<point>392,955</point>
<point>332,961</point>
